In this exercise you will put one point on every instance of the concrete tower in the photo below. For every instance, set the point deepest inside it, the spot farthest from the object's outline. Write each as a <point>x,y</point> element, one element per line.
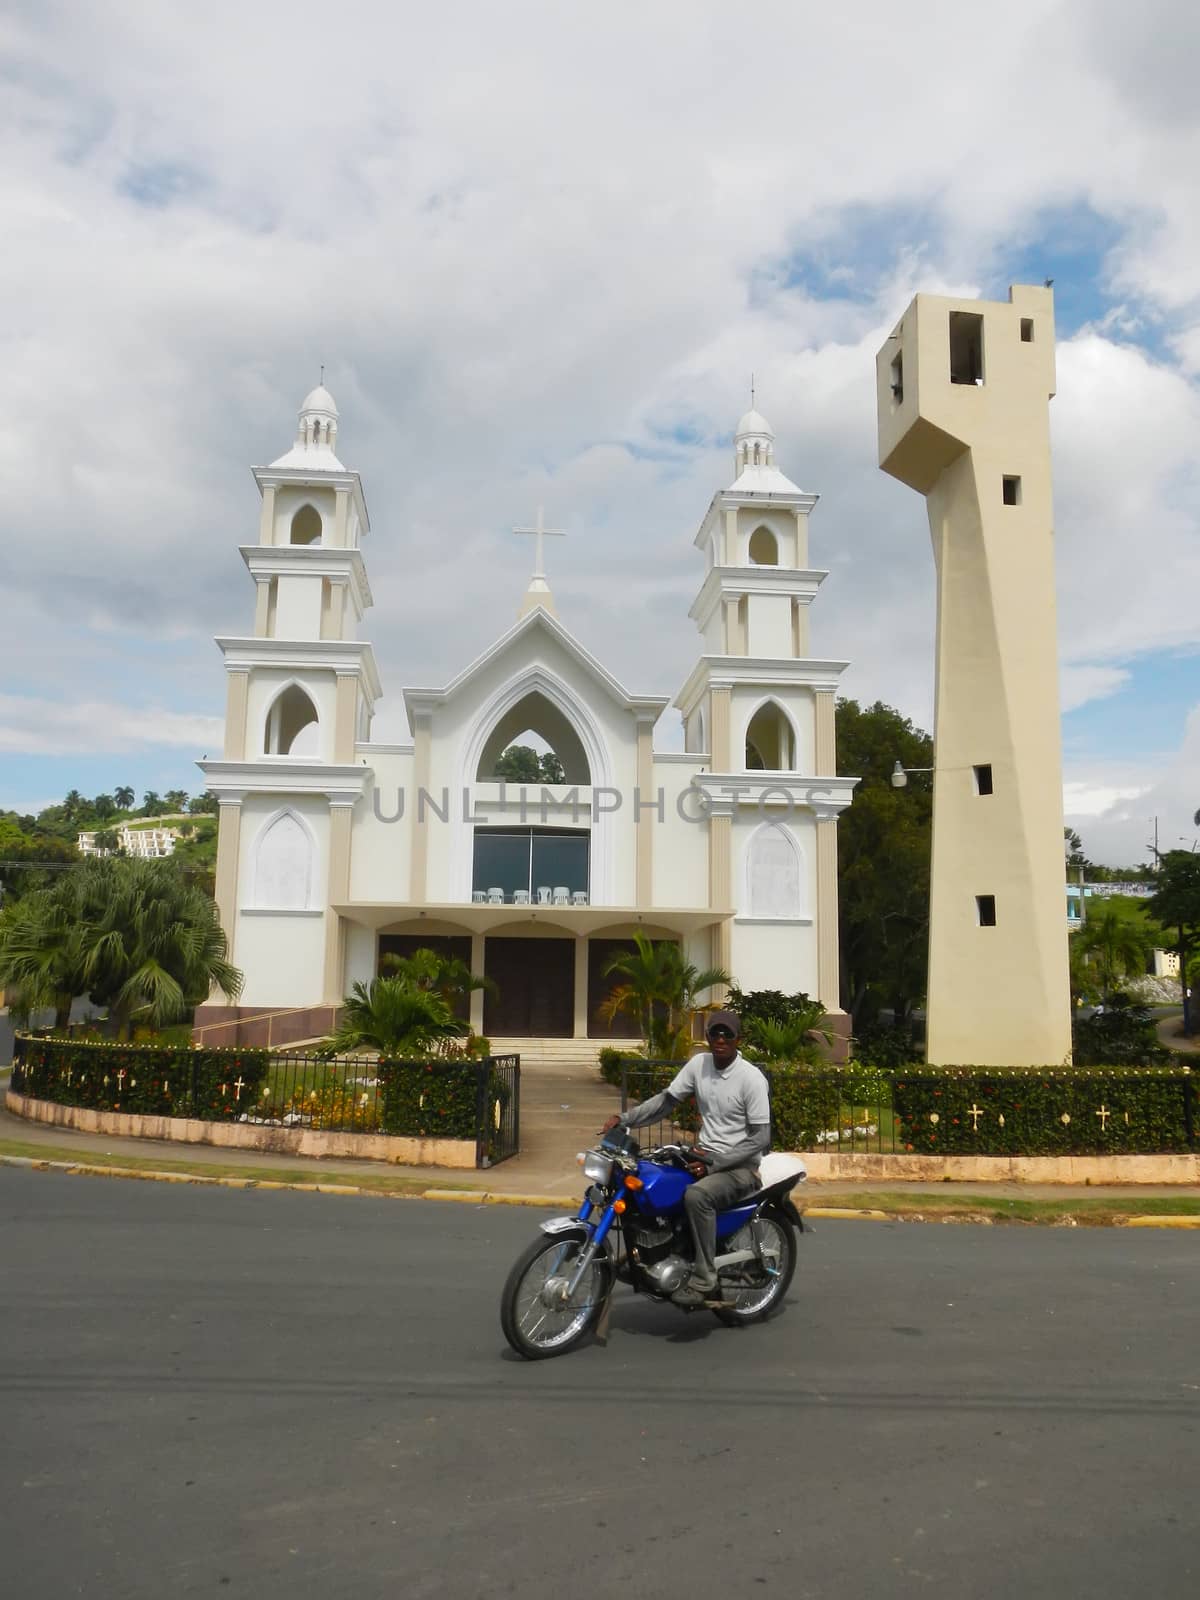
<point>963,387</point>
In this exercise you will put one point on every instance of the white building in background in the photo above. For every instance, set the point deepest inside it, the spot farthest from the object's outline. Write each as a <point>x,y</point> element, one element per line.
<point>150,843</point>
<point>335,849</point>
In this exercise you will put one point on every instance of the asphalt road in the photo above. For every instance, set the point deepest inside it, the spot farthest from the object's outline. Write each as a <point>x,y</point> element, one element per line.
<point>278,1394</point>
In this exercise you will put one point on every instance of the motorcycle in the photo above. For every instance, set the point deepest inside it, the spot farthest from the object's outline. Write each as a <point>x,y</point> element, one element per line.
<point>632,1228</point>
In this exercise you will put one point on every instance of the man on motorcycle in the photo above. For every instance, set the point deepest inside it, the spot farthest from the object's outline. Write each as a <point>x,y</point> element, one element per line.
<point>735,1133</point>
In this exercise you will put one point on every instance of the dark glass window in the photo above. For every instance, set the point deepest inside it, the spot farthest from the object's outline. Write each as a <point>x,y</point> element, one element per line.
<point>532,859</point>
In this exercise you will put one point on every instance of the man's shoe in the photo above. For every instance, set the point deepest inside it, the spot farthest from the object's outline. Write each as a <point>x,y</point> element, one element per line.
<point>695,1292</point>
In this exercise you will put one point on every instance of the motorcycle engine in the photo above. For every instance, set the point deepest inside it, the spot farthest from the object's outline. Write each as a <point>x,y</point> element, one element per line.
<point>656,1243</point>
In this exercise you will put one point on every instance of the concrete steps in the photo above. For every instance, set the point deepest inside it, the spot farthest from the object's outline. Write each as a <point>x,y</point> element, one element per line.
<point>571,1056</point>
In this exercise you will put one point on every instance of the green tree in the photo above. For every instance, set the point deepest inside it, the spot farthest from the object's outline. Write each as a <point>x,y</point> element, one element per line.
<point>132,934</point>
<point>521,763</point>
<point>73,804</point>
<point>123,796</point>
<point>393,1017</point>
<point>176,799</point>
<point>447,976</point>
<point>884,842</point>
<point>28,858</point>
<point>106,839</point>
<point>203,805</point>
<point>660,989</point>
<point>103,807</point>
<point>151,803</point>
<point>1176,905</point>
<point>1115,943</point>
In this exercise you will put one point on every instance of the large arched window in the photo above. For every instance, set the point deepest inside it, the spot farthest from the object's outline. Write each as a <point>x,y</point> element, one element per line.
<point>764,548</point>
<point>306,526</point>
<point>770,745</point>
<point>293,727</point>
<point>539,724</point>
<point>773,873</point>
<point>283,865</point>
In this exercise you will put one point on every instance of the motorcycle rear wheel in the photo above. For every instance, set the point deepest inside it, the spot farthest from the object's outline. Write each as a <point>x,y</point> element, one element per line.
<point>534,1325</point>
<point>775,1236</point>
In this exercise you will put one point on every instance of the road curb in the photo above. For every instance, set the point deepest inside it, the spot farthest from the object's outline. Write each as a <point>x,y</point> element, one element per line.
<point>545,1202</point>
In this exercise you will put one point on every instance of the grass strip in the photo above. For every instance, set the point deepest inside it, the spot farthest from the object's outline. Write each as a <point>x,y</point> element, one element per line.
<point>1100,1212</point>
<point>377,1182</point>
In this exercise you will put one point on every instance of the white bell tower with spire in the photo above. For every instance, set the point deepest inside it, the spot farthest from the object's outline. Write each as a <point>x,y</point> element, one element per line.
<point>762,710</point>
<point>301,694</point>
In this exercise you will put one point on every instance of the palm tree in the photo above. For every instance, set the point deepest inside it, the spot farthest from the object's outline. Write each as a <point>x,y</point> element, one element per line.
<point>393,1017</point>
<point>1117,945</point>
<point>104,805</point>
<point>123,796</point>
<point>176,799</point>
<point>132,934</point>
<point>73,804</point>
<point>659,991</point>
<point>39,956</point>
<point>151,803</point>
<point>447,976</point>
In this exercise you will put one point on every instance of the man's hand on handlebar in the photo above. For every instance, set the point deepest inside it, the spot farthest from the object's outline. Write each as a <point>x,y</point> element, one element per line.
<point>610,1124</point>
<point>698,1165</point>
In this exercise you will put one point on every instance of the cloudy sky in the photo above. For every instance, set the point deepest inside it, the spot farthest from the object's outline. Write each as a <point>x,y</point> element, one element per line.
<point>539,249</point>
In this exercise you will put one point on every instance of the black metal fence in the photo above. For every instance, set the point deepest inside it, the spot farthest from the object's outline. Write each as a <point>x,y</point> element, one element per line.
<point>352,1094</point>
<point>1053,1111</point>
<point>498,1115</point>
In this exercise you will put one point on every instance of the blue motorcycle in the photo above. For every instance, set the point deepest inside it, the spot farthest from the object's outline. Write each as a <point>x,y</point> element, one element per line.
<point>631,1228</point>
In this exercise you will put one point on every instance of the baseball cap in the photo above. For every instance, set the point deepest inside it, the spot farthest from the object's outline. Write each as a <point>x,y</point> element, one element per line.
<point>723,1019</point>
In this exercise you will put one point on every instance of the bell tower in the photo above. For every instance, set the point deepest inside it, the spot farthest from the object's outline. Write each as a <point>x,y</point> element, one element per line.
<point>301,692</point>
<point>762,711</point>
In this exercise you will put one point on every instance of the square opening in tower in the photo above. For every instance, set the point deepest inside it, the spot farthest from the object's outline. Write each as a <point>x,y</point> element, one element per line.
<point>985,910</point>
<point>1012,491</point>
<point>966,347</point>
<point>1026,330</point>
<point>983,778</point>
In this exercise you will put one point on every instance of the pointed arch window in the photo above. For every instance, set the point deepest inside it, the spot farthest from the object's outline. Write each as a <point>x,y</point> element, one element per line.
<point>538,716</point>
<point>770,741</point>
<point>764,548</point>
<point>773,873</point>
<point>306,526</point>
<point>293,727</point>
<point>283,865</point>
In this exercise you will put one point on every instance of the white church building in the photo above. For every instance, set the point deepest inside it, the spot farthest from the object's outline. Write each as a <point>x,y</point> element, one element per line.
<point>335,849</point>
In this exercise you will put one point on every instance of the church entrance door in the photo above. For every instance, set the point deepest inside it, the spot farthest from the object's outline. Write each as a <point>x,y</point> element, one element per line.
<point>535,988</point>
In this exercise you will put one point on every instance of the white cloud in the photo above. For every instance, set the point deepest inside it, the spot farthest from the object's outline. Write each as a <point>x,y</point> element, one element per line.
<point>540,258</point>
<point>46,727</point>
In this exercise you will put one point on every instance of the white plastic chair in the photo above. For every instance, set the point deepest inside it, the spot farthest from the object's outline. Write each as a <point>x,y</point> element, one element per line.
<point>478,896</point>
<point>562,895</point>
<point>520,897</point>
<point>543,895</point>
<point>495,897</point>
<point>579,898</point>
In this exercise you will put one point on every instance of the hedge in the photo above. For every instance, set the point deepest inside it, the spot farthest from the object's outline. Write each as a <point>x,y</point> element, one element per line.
<point>962,1110</point>
<point>147,1079</point>
<point>438,1099</point>
<point>1047,1111</point>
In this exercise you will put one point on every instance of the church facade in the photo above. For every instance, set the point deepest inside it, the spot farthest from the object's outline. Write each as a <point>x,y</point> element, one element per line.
<point>335,849</point>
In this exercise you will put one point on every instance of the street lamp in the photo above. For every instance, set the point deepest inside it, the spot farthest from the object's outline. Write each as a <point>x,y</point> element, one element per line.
<point>900,774</point>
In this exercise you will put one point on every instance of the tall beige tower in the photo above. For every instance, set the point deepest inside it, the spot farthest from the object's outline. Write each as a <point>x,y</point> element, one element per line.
<point>963,387</point>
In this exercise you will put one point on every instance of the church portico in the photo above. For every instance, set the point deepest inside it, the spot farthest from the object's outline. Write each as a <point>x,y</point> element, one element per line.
<point>528,826</point>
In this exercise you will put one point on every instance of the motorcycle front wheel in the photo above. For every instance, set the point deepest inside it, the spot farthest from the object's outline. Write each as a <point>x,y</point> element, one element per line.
<point>774,1238</point>
<point>538,1319</point>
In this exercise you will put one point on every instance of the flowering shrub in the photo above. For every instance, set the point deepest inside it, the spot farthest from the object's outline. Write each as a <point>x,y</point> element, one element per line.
<point>150,1080</point>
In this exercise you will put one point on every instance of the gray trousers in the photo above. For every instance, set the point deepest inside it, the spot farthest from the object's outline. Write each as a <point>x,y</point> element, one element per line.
<point>718,1192</point>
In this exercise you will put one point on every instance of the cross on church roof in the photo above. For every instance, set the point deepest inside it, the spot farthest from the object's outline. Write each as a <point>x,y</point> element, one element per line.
<point>538,593</point>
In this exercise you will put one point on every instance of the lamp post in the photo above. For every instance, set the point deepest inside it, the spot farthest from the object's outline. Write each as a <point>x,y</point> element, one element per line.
<point>900,774</point>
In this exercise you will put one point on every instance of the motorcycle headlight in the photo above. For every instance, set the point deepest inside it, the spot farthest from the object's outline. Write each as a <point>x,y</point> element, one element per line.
<point>597,1168</point>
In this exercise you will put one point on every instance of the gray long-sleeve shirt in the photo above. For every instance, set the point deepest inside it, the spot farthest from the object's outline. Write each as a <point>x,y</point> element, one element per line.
<point>735,1109</point>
